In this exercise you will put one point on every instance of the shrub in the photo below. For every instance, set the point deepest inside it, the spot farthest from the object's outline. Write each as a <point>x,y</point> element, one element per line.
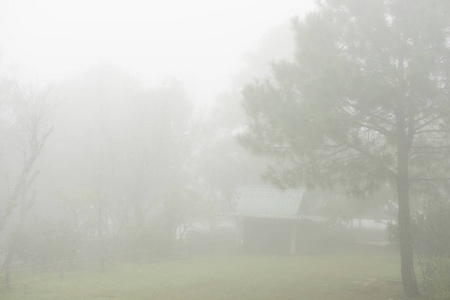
<point>44,241</point>
<point>431,244</point>
<point>439,284</point>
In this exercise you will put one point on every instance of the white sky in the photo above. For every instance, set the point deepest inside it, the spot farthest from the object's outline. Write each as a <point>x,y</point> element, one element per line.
<point>200,42</point>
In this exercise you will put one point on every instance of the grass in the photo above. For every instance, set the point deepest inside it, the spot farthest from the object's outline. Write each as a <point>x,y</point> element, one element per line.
<point>338,276</point>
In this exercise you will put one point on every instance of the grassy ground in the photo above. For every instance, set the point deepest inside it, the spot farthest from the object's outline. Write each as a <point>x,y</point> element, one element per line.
<point>338,276</point>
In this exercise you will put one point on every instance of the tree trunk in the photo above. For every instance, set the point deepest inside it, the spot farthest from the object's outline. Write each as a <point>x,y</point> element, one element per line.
<point>404,226</point>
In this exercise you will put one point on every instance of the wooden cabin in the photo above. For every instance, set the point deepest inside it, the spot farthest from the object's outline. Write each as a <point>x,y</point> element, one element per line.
<point>271,220</point>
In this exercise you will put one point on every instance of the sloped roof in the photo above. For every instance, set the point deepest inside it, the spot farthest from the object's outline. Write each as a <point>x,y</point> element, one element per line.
<point>269,202</point>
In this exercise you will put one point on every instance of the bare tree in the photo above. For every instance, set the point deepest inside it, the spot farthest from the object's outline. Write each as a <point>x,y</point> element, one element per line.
<point>29,111</point>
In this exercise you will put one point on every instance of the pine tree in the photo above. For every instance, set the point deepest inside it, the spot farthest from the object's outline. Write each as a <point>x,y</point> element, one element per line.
<point>365,102</point>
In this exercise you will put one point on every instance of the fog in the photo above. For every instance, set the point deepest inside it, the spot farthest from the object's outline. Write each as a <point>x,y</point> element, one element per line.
<point>201,43</point>
<point>202,150</point>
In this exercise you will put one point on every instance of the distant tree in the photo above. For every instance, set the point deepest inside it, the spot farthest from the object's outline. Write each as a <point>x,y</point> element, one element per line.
<point>27,115</point>
<point>365,102</point>
<point>121,141</point>
<point>159,136</point>
<point>25,118</point>
<point>129,150</point>
<point>181,209</point>
<point>225,164</point>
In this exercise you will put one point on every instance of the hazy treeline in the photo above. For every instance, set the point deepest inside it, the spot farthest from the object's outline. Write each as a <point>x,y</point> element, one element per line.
<point>103,164</point>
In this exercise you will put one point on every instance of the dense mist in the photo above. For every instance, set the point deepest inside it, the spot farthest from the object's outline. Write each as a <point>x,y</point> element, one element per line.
<point>224,150</point>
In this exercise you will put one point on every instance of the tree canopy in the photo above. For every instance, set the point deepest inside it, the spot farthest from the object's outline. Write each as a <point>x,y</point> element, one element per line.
<point>364,102</point>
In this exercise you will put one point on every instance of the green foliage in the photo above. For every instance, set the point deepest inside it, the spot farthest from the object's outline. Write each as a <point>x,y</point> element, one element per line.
<point>392,231</point>
<point>149,241</point>
<point>431,244</point>
<point>45,241</point>
<point>440,283</point>
<point>431,232</point>
<point>333,115</point>
<point>178,209</point>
